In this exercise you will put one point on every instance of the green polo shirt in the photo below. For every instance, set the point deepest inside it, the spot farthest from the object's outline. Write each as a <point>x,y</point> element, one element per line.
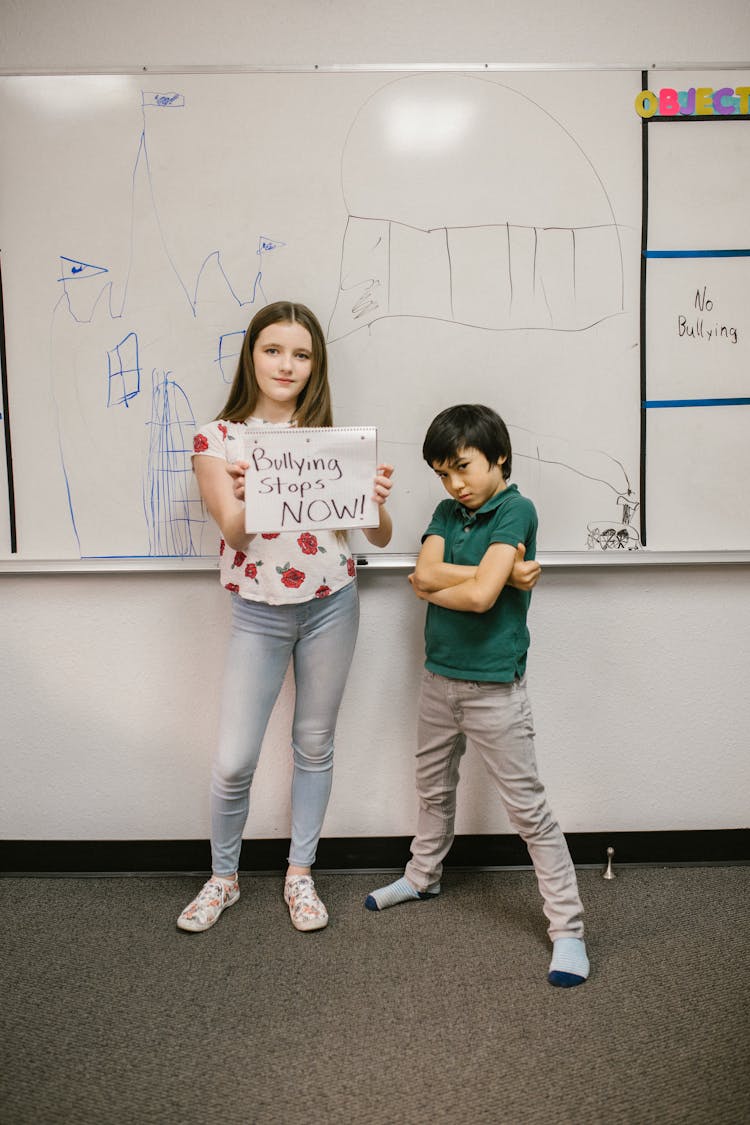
<point>490,646</point>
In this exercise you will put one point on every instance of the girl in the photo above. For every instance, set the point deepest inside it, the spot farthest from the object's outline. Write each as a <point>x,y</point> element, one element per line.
<point>293,596</point>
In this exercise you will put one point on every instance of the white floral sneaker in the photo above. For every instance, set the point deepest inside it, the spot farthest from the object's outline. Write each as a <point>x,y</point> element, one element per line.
<point>206,909</point>
<point>305,908</point>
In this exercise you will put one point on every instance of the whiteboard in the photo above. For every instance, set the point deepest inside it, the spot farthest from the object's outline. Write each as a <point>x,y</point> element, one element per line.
<point>461,236</point>
<point>697,375</point>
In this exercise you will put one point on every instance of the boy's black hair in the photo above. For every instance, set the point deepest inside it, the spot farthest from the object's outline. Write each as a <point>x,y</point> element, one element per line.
<point>468,427</point>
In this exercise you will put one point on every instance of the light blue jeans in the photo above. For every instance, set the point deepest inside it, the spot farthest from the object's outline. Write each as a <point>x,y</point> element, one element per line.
<point>319,637</point>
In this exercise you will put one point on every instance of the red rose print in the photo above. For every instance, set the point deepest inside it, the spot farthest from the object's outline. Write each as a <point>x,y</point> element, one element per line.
<point>200,443</point>
<point>351,569</point>
<point>222,545</point>
<point>270,535</point>
<point>232,587</point>
<point>322,591</point>
<point>308,543</point>
<point>239,558</point>
<point>292,578</point>
<point>251,570</point>
<point>223,430</point>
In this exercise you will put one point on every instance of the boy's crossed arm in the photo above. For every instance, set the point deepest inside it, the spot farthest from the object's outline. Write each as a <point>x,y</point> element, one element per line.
<point>472,588</point>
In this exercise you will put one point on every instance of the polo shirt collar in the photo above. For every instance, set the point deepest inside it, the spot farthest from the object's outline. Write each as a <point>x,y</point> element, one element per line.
<point>469,517</point>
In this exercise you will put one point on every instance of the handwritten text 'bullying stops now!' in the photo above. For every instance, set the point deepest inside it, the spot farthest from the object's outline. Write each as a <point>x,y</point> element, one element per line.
<point>299,479</point>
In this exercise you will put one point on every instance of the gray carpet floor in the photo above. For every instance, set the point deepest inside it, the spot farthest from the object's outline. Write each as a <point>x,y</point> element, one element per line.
<point>427,1013</point>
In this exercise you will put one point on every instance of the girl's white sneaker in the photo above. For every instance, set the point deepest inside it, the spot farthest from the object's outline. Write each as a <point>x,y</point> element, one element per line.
<point>305,908</point>
<point>215,896</point>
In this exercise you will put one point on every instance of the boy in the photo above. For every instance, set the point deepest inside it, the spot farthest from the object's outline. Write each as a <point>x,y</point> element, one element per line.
<point>474,683</point>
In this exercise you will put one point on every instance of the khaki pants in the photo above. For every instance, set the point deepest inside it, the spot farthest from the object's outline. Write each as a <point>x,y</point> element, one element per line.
<point>496,719</point>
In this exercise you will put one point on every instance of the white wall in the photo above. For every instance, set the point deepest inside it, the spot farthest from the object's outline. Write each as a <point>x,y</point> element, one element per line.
<point>100,34</point>
<point>108,682</point>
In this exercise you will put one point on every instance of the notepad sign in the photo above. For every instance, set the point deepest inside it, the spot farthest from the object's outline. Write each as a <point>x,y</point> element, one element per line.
<point>303,479</point>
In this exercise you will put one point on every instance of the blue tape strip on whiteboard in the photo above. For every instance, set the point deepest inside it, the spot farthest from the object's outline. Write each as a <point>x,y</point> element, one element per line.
<point>661,403</point>
<point>696,253</point>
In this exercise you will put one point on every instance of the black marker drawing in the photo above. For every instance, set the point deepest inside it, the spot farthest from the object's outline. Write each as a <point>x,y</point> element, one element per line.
<point>454,215</point>
<point>470,204</point>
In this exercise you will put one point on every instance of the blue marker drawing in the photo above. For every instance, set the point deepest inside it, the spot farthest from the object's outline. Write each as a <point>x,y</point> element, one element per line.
<point>73,270</point>
<point>123,371</point>
<point>266,244</point>
<point>166,314</point>
<point>230,345</point>
<point>171,512</point>
<point>162,101</point>
<point>213,260</point>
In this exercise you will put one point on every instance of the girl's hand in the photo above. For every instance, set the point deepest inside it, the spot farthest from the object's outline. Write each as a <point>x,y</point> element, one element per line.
<point>236,470</point>
<point>380,536</point>
<point>383,484</point>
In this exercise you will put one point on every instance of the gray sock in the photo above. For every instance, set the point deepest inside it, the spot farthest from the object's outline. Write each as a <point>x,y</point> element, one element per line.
<point>400,891</point>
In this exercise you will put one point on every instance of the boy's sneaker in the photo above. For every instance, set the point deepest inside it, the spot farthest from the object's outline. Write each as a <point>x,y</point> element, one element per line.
<point>206,909</point>
<point>305,908</point>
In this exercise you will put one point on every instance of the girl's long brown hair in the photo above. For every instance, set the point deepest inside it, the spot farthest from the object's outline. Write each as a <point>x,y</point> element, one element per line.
<point>314,403</point>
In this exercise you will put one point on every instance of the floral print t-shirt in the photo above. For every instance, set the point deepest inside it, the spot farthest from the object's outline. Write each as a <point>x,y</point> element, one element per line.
<point>276,568</point>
